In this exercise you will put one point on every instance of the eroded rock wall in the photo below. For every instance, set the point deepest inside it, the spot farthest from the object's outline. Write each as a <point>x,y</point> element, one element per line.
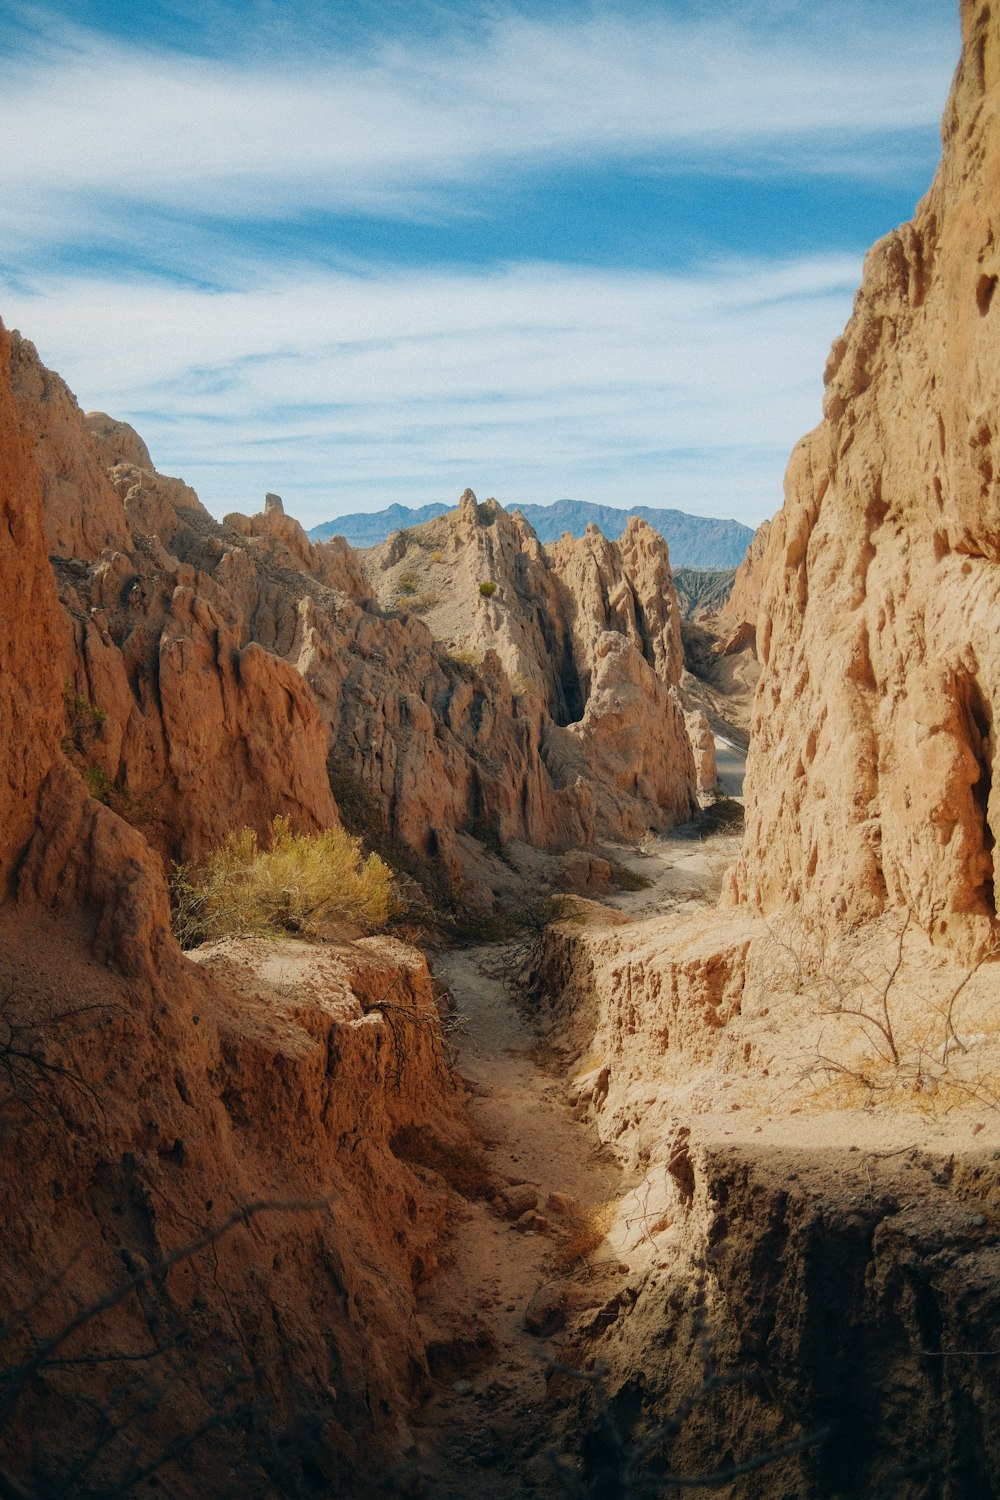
<point>145,1102</point>
<point>587,632</point>
<point>871,774</point>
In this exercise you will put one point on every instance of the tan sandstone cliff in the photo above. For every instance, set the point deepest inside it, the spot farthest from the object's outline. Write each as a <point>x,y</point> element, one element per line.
<point>737,619</point>
<point>587,632</point>
<point>805,1080</point>
<point>871,777</point>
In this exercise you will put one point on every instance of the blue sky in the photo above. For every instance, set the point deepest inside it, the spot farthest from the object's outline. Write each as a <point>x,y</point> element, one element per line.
<point>365,253</point>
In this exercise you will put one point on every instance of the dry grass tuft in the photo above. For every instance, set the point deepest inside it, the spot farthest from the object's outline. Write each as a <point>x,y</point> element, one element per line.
<point>586,1237</point>
<point>300,883</point>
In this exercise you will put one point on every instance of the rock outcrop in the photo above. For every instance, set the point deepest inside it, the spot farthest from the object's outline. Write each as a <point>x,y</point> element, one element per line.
<point>587,632</point>
<point>737,619</point>
<point>226,668</point>
<point>150,1106</point>
<point>872,774</point>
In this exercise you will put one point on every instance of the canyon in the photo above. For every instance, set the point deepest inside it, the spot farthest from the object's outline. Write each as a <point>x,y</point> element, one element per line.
<point>640,1151</point>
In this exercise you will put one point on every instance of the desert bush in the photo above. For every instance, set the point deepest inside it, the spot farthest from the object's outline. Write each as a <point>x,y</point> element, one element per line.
<point>421,603</point>
<point>625,879</point>
<point>723,815</point>
<point>83,722</point>
<point>406,584</point>
<point>586,1236</point>
<point>468,660</point>
<point>520,962</point>
<point>300,883</point>
<point>890,1022</point>
<point>487,588</point>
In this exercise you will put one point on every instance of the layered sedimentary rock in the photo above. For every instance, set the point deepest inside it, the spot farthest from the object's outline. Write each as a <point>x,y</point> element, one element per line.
<point>871,774</point>
<point>146,1103</point>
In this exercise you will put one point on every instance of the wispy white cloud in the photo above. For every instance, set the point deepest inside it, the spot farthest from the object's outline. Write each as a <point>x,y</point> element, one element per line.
<point>94,128</point>
<point>344,383</point>
<point>345,392</point>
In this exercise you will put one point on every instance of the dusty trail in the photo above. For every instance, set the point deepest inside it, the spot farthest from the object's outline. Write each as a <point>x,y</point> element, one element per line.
<point>483,1430</point>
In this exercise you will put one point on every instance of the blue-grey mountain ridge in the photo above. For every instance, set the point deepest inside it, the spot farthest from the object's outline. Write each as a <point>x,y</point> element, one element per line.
<point>694,541</point>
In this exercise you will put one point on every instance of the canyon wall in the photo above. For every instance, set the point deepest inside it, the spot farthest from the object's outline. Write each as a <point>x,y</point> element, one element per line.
<point>220,674</point>
<point>804,1081</point>
<point>149,1105</point>
<point>871,774</point>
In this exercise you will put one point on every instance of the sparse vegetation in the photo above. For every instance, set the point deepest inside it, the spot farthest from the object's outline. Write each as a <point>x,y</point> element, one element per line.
<point>520,962</point>
<point>299,883</point>
<point>487,588</point>
<point>585,1237</point>
<point>464,658</point>
<point>406,585</point>
<point>421,603</point>
<point>625,879</point>
<point>724,814</point>
<point>83,722</point>
<point>890,1024</point>
<point>97,782</point>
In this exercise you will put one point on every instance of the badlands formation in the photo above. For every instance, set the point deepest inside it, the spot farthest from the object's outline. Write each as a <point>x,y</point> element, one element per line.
<point>712,1196</point>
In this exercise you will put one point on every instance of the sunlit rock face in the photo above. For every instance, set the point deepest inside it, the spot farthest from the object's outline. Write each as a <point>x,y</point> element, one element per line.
<point>587,634</point>
<point>872,769</point>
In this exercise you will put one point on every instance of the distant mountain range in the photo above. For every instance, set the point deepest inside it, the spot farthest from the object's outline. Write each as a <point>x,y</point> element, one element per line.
<point>694,541</point>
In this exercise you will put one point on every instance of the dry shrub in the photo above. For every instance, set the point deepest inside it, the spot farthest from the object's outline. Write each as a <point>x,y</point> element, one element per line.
<point>625,879</point>
<point>724,814</point>
<point>586,1236</point>
<point>300,883</point>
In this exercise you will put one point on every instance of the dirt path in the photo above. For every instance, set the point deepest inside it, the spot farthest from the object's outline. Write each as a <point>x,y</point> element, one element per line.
<point>731,764</point>
<point>483,1431</point>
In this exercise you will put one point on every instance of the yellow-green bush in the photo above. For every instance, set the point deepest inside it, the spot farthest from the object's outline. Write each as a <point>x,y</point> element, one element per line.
<point>301,883</point>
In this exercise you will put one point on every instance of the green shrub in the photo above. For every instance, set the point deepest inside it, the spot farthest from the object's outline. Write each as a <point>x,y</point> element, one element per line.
<point>97,782</point>
<point>83,721</point>
<point>487,588</point>
<point>406,585</point>
<point>301,883</point>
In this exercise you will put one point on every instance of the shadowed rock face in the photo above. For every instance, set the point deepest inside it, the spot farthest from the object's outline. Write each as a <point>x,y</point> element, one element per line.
<point>871,775</point>
<point>737,619</point>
